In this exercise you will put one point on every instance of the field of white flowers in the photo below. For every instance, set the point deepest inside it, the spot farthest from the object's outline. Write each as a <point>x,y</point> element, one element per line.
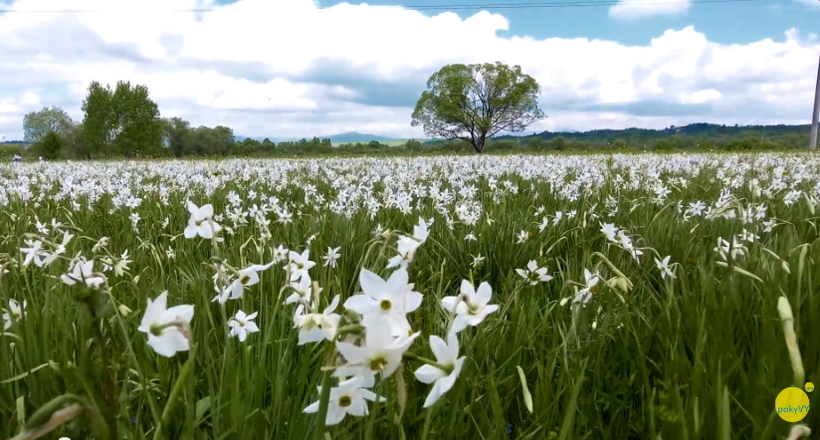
<point>495,297</point>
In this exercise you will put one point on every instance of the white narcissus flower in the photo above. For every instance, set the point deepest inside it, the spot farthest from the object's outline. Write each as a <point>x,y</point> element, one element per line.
<point>477,260</point>
<point>122,264</point>
<point>13,313</point>
<point>471,307</point>
<point>58,250</point>
<point>280,254</point>
<point>165,326</point>
<point>201,222</point>
<point>302,291</point>
<point>591,286</point>
<point>33,252</point>
<point>534,274</point>
<point>82,271</point>
<point>246,277</point>
<point>381,353</point>
<point>331,256</point>
<point>347,398</point>
<point>420,231</point>
<point>406,246</point>
<point>609,230</point>
<point>446,355</point>
<point>242,324</point>
<point>299,264</point>
<point>393,298</point>
<point>314,327</point>
<point>663,266</point>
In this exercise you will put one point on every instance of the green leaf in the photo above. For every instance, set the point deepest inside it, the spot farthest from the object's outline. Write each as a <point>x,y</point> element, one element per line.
<point>202,407</point>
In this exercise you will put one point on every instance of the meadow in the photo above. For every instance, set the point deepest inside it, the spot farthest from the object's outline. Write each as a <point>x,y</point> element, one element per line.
<point>639,296</point>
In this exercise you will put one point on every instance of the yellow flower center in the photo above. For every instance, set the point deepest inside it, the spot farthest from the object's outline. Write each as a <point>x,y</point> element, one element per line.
<point>345,401</point>
<point>378,364</point>
<point>386,305</point>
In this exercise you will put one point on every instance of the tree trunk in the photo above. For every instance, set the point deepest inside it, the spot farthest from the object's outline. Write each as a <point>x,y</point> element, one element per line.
<point>478,144</point>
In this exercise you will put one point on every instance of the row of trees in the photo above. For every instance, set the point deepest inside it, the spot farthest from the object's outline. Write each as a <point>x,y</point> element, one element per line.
<point>120,122</point>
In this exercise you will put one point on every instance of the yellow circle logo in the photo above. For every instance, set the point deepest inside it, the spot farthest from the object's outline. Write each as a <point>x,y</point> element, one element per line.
<point>809,387</point>
<point>792,404</point>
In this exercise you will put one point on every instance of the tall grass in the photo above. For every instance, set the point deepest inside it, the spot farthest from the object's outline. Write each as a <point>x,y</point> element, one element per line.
<point>701,356</point>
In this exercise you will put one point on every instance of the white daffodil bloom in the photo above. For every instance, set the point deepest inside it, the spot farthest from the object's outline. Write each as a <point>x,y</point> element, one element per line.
<point>610,231</point>
<point>393,298</point>
<point>534,274</point>
<point>478,260</point>
<point>122,264</point>
<point>348,398</point>
<point>34,252</point>
<point>471,307</point>
<point>201,222</point>
<point>280,254</point>
<point>591,286</point>
<point>446,355</point>
<point>13,313</point>
<point>246,277</point>
<point>381,353</point>
<point>663,266</point>
<point>82,271</point>
<point>406,246</point>
<point>59,250</point>
<point>165,326</point>
<point>331,256</point>
<point>242,324</point>
<point>299,264</point>
<point>420,231</point>
<point>302,291</point>
<point>314,327</point>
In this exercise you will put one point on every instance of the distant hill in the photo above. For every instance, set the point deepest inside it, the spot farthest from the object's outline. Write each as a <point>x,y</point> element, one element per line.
<point>353,137</point>
<point>341,138</point>
<point>697,129</point>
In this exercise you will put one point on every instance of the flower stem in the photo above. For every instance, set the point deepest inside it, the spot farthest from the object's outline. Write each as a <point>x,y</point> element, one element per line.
<point>428,417</point>
<point>324,398</point>
<point>412,356</point>
<point>175,392</point>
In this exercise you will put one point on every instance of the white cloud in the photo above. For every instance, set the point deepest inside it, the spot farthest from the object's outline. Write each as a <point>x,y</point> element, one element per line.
<point>635,9</point>
<point>287,68</point>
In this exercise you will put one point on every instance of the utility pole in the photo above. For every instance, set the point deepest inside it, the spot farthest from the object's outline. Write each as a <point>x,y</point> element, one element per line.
<point>816,113</point>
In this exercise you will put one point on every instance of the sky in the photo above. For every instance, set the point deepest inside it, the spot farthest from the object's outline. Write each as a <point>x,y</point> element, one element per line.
<point>303,68</point>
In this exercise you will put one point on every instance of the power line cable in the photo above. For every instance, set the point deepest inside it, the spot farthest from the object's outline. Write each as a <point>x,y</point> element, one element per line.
<point>450,7</point>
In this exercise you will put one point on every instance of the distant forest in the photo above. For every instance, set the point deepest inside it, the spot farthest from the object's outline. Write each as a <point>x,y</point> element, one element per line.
<point>692,137</point>
<point>700,136</point>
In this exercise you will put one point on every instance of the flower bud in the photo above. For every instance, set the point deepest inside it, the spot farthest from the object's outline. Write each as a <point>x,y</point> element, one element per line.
<point>124,310</point>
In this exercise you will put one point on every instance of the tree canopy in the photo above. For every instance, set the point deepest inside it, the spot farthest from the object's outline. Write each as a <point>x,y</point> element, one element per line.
<point>37,124</point>
<point>121,122</point>
<point>477,101</point>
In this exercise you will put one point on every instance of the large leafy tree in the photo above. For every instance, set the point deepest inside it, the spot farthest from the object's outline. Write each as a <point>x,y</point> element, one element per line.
<point>477,101</point>
<point>176,130</point>
<point>123,121</point>
<point>98,120</point>
<point>50,119</point>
